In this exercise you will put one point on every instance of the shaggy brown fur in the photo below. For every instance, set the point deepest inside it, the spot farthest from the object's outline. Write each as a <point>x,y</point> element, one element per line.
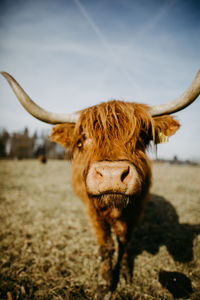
<point>113,131</point>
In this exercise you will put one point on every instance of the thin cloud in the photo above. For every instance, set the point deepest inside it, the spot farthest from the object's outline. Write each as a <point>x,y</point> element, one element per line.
<point>153,22</point>
<point>112,53</point>
<point>94,27</point>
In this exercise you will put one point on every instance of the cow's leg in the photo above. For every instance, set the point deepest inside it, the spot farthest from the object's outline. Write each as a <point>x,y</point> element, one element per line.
<point>123,228</point>
<point>123,231</point>
<point>105,276</point>
<point>126,266</point>
<point>106,250</point>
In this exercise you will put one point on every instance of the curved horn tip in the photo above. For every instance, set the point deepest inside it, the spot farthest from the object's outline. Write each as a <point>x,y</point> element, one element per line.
<point>7,76</point>
<point>4,73</point>
<point>181,102</point>
<point>34,109</point>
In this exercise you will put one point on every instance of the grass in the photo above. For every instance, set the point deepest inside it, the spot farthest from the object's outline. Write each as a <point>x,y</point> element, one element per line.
<point>48,249</point>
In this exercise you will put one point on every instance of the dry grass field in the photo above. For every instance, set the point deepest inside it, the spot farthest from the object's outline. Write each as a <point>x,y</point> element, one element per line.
<point>48,249</point>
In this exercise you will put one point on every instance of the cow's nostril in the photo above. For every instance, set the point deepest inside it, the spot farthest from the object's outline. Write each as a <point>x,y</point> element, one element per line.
<point>125,174</point>
<point>98,173</point>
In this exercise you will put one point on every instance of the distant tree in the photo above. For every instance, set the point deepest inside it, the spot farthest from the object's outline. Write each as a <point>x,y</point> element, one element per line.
<point>26,131</point>
<point>4,137</point>
<point>175,159</point>
<point>47,149</point>
<point>35,135</point>
<point>22,145</point>
<point>53,150</point>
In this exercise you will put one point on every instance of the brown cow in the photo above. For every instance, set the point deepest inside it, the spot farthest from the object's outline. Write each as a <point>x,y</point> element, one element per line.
<point>111,172</point>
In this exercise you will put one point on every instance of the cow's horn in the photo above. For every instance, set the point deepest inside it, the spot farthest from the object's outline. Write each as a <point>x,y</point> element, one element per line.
<point>179,103</point>
<point>34,109</point>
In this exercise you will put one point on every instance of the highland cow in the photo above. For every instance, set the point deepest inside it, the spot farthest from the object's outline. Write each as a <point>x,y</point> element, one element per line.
<point>111,172</point>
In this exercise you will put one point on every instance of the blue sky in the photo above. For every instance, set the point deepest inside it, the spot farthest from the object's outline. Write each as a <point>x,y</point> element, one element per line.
<point>71,54</point>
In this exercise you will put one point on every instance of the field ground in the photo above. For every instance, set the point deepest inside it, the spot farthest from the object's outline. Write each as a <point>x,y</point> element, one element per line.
<point>48,249</point>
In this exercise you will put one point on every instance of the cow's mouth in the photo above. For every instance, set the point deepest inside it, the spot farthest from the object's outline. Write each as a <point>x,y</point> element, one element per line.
<point>111,200</point>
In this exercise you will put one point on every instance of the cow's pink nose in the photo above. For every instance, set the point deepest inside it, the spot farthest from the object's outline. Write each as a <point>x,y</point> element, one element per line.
<point>118,173</point>
<point>110,177</point>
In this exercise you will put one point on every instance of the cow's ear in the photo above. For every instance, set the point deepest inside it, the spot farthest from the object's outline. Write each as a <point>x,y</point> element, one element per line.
<point>63,134</point>
<point>164,127</point>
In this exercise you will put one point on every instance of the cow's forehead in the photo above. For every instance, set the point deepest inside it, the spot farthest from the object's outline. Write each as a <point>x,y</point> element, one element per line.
<point>114,119</point>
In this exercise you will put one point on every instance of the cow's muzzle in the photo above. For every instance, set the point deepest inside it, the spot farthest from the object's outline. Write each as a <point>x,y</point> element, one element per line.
<point>111,200</point>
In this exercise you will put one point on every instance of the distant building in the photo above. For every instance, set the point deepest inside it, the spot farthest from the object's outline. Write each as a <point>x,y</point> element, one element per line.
<point>21,145</point>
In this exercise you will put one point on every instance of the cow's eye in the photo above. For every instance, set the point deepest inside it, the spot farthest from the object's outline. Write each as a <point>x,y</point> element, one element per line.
<point>79,144</point>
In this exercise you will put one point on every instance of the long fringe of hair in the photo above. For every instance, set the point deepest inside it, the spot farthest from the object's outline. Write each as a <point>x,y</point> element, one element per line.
<point>116,120</point>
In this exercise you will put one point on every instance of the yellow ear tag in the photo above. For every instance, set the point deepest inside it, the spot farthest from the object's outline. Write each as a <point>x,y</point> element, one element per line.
<point>161,138</point>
